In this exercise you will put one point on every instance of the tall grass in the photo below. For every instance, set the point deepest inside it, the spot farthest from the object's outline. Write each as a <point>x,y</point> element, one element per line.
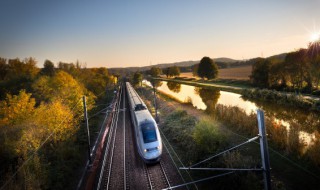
<point>196,139</point>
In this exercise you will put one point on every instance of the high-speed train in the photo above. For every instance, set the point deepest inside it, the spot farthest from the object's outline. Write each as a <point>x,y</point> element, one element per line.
<point>146,131</point>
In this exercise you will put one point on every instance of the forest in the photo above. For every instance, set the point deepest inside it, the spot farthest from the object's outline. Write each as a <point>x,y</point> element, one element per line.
<point>42,135</point>
<point>299,71</point>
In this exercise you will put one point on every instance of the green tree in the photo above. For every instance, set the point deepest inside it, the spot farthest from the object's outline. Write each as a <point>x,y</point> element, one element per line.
<point>278,75</point>
<point>3,68</point>
<point>195,70</point>
<point>260,73</point>
<point>207,136</point>
<point>48,68</point>
<point>137,78</point>
<point>207,68</point>
<point>166,71</point>
<point>314,59</point>
<point>31,68</point>
<point>299,69</point>
<point>155,71</point>
<point>174,71</point>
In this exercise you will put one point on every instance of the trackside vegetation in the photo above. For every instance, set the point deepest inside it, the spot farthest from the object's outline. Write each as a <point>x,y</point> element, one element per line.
<point>42,137</point>
<point>293,165</point>
<point>195,139</point>
<point>286,99</point>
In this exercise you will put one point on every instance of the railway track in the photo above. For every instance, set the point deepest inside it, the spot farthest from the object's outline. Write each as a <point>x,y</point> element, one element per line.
<point>113,172</point>
<point>157,176</point>
<point>122,166</point>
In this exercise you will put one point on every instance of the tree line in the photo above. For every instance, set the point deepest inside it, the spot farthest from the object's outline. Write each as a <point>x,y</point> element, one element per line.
<point>206,69</point>
<point>299,71</point>
<point>154,71</point>
<point>44,105</point>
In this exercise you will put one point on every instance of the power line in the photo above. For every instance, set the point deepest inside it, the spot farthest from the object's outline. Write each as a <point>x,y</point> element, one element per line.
<point>176,155</point>
<point>232,148</point>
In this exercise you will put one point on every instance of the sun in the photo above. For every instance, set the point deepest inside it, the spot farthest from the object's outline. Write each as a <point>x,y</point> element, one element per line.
<point>315,37</point>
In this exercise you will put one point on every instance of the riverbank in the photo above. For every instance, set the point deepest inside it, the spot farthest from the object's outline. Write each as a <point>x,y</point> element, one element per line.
<point>309,102</point>
<point>286,170</point>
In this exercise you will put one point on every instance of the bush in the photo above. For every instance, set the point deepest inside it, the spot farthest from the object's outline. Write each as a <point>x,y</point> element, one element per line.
<point>279,98</point>
<point>207,136</point>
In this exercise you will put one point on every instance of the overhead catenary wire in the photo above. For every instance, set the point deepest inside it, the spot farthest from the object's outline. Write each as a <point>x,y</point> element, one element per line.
<point>176,155</point>
<point>96,142</point>
<point>175,164</point>
<point>232,148</point>
<point>114,120</point>
<point>200,180</point>
<point>278,153</point>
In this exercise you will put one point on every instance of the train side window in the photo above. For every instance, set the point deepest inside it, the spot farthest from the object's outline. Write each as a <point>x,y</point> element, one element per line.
<point>148,132</point>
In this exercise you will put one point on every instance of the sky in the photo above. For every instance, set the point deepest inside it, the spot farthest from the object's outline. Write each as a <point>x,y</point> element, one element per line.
<point>127,33</point>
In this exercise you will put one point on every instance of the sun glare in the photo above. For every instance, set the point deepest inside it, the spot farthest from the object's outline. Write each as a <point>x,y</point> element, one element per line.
<point>315,37</point>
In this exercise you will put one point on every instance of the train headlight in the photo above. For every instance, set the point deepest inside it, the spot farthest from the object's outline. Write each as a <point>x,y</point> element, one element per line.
<point>145,150</point>
<point>158,147</point>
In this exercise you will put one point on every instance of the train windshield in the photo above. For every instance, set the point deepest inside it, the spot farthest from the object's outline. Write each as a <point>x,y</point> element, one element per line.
<point>148,132</point>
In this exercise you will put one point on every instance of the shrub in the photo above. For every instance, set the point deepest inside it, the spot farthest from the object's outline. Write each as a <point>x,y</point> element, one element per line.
<point>207,136</point>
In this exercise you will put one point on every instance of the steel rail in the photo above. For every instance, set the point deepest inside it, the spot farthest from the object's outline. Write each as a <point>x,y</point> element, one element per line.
<point>176,156</point>
<point>108,143</point>
<point>124,141</point>
<point>184,181</point>
<point>113,141</point>
<point>165,174</point>
<point>148,175</point>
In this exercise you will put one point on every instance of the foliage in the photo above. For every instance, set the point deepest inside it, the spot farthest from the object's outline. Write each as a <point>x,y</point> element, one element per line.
<point>16,108</point>
<point>195,69</point>
<point>260,73</point>
<point>17,75</point>
<point>207,68</point>
<point>48,68</point>
<point>137,78</point>
<point>174,71</point>
<point>280,98</point>
<point>180,121</point>
<point>171,71</point>
<point>44,106</point>
<point>207,136</point>
<point>155,71</point>
<point>61,86</point>
<point>299,71</point>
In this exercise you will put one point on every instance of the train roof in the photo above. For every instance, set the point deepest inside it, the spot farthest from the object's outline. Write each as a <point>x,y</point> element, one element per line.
<point>144,116</point>
<point>136,100</point>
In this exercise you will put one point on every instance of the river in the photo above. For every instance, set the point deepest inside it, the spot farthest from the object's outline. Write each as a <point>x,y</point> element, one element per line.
<point>304,125</point>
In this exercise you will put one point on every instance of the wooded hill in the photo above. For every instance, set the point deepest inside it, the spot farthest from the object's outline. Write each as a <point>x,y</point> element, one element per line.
<point>186,66</point>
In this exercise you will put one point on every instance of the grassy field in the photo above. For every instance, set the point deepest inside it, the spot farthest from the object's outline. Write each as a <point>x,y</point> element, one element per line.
<point>238,73</point>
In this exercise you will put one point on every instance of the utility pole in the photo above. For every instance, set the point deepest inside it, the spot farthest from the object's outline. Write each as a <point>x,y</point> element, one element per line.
<point>264,150</point>
<point>155,100</point>
<point>87,126</point>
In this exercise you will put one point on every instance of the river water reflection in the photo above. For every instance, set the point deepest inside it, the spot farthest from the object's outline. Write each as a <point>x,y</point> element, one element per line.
<point>303,125</point>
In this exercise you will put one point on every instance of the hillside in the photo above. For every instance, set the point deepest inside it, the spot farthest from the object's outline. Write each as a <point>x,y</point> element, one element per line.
<point>186,66</point>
